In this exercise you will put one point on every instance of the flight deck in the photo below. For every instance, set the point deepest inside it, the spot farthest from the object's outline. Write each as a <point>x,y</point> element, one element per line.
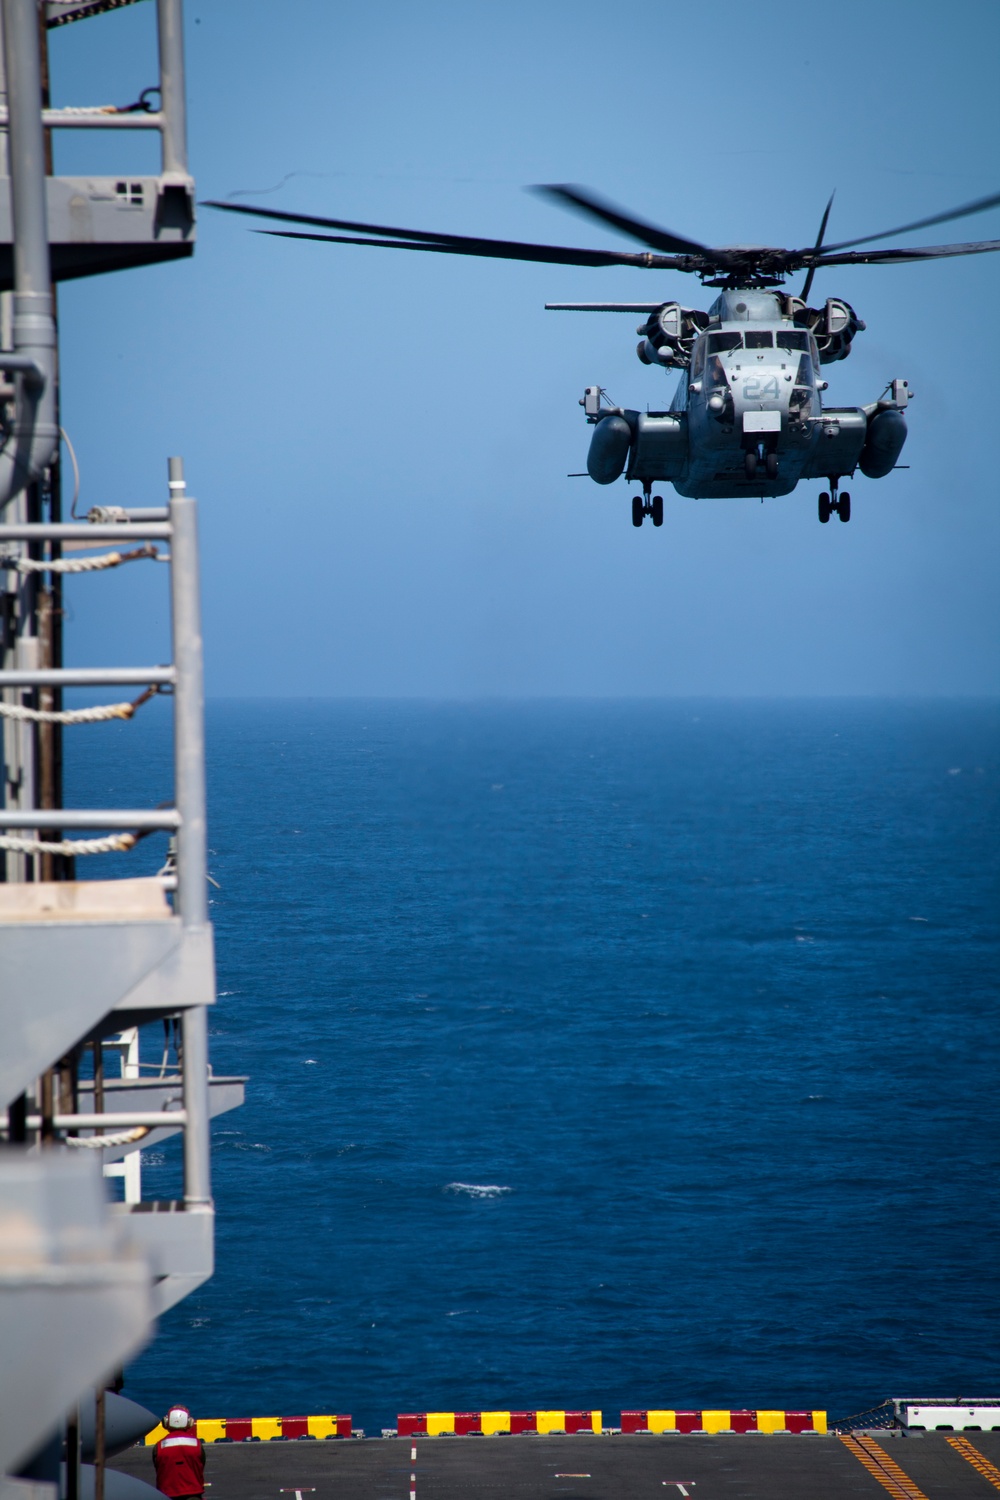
<point>812,1466</point>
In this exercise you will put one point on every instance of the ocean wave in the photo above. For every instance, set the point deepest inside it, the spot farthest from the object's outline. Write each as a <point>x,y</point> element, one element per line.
<point>477,1189</point>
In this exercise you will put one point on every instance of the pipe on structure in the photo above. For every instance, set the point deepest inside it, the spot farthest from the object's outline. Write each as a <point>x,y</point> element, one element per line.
<point>192,852</point>
<point>160,819</point>
<point>33,434</point>
<point>173,107</point>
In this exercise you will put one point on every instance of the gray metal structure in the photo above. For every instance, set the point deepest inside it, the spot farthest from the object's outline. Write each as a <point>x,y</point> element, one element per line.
<point>85,964</point>
<point>97,224</point>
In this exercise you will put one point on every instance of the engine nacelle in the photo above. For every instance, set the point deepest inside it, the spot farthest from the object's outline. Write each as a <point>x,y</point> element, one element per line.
<point>668,334</point>
<point>833,326</point>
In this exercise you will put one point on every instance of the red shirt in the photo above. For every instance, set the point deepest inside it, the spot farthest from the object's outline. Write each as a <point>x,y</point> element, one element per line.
<point>180,1464</point>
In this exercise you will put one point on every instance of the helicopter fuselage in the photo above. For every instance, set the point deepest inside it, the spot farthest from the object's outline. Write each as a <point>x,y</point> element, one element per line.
<point>747,417</point>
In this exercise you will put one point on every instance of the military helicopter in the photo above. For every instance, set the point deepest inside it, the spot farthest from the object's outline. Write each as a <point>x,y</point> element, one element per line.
<point>746,417</point>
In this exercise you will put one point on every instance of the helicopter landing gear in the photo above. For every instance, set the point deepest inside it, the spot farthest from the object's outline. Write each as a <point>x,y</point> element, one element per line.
<point>643,505</point>
<point>754,457</point>
<point>841,503</point>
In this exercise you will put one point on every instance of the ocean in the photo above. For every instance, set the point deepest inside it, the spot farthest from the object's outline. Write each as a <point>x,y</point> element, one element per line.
<point>600,1053</point>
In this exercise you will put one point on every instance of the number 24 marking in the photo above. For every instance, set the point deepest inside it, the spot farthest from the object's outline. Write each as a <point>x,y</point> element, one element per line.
<point>760,389</point>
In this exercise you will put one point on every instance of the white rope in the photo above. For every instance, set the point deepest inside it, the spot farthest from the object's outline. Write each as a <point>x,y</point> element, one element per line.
<point>117,843</point>
<point>78,564</point>
<point>102,1142</point>
<point>99,714</point>
<point>106,513</point>
<point>88,109</point>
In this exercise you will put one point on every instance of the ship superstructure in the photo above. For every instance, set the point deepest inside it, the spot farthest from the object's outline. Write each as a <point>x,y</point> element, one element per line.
<point>86,964</point>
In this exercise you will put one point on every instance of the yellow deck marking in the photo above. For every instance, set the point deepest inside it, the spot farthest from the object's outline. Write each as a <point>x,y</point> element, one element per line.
<point>972,1455</point>
<point>881,1467</point>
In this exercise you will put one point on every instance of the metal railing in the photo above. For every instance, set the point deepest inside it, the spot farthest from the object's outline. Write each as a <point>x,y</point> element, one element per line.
<point>186,819</point>
<point>171,117</point>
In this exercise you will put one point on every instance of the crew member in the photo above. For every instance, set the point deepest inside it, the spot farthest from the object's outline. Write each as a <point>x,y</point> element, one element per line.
<point>179,1457</point>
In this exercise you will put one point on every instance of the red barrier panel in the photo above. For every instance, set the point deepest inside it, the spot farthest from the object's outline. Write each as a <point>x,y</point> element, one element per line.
<point>743,1421</point>
<point>523,1421</point>
<point>799,1421</point>
<point>689,1421</point>
<point>579,1421</point>
<point>239,1429</point>
<point>634,1421</point>
<point>295,1427</point>
<point>410,1424</point>
<point>467,1422</point>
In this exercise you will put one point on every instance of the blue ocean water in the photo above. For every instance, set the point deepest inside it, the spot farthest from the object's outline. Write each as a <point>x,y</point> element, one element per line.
<point>600,1054</point>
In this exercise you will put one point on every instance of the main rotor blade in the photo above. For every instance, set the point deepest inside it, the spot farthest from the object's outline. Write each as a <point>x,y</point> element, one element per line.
<point>896,257</point>
<point>604,307</point>
<point>554,255</point>
<point>455,244</point>
<point>978,207</point>
<point>589,203</point>
<point>817,247</point>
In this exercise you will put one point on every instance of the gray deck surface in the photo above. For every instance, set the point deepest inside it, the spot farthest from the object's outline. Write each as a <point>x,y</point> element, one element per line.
<point>772,1467</point>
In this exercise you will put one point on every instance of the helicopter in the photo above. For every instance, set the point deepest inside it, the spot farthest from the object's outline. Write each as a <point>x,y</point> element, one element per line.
<point>746,417</point>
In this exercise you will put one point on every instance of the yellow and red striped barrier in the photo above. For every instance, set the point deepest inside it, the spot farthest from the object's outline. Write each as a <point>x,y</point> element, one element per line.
<point>492,1423</point>
<point>261,1429</point>
<point>723,1421</point>
<point>489,1423</point>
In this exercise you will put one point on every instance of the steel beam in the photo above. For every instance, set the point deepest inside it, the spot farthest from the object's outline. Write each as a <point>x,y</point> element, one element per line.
<point>153,529</point>
<point>118,1120</point>
<point>97,817</point>
<point>189,794</point>
<point>88,677</point>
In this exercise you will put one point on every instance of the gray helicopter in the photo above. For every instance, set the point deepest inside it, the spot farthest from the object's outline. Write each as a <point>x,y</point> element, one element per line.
<point>747,416</point>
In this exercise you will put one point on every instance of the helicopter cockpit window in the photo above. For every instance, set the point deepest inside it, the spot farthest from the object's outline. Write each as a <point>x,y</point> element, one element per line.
<point>698,361</point>
<point>805,375</point>
<point>723,343</point>
<point>716,373</point>
<point>758,339</point>
<point>800,405</point>
<point>793,338</point>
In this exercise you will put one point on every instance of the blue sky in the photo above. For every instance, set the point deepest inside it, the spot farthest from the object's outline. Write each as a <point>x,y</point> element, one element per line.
<point>380,441</point>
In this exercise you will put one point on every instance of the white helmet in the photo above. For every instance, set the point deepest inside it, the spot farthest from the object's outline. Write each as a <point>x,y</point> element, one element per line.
<point>178,1418</point>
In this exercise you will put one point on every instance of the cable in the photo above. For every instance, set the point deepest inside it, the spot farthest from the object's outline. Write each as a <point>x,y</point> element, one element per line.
<point>76,472</point>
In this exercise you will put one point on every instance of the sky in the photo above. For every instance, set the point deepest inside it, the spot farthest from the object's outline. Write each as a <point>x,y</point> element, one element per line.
<point>380,441</point>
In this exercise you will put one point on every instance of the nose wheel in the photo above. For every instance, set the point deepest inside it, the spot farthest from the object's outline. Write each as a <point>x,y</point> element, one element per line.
<point>754,459</point>
<point>645,505</point>
<point>839,502</point>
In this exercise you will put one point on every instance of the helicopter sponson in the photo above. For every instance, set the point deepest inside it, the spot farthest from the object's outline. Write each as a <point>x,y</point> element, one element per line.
<point>747,414</point>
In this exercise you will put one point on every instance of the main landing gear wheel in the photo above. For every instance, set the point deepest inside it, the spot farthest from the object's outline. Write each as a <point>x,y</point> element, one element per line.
<point>844,507</point>
<point>771,465</point>
<point>637,509</point>
<point>824,507</point>
<point>657,510</point>
<point>750,464</point>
